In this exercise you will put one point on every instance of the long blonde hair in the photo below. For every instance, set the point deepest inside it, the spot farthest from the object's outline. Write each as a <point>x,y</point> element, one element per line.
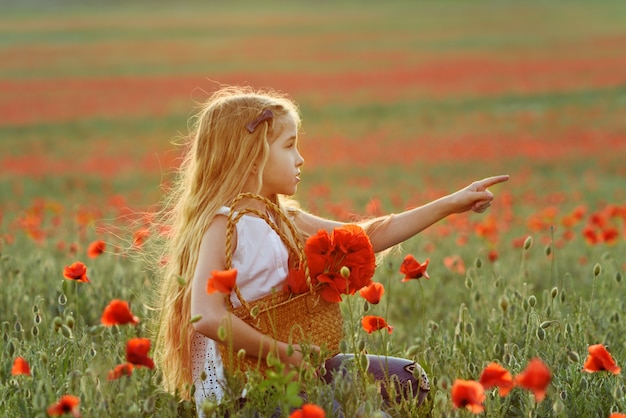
<point>218,154</point>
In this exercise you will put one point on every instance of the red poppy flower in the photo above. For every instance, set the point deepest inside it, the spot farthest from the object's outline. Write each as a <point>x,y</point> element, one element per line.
<point>124,369</point>
<point>118,312</point>
<point>96,248</point>
<point>413,269</point>
<point>373,323</point>
<point>222,281</point>
<point>468,394</point>
<point>600,359</point>
<point>66,404</point>
<point>77,271</point>
<point>496,375</point>
<point>20,366</point>
<point>493,255</point>
<point>347,250</point>
<point>296,282</point>
<point>617,415</point>
<point>536,378</point>
<point>455,264</point>
<point>373,292</point>
<point>137,352</point>
<point>140,236</point>
<point>309,410</point>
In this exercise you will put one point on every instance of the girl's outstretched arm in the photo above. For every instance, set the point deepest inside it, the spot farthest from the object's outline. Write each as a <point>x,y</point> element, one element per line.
<point>396,228</point>
<point>212,307</point>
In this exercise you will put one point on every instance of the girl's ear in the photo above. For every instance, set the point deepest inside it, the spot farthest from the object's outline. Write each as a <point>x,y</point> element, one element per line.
<point>255,169</point>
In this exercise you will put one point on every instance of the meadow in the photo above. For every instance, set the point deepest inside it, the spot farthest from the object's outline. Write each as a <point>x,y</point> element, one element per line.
<point>402,103</point>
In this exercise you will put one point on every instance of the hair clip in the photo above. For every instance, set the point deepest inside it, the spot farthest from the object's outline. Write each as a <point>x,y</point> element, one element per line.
<point>266,115</point>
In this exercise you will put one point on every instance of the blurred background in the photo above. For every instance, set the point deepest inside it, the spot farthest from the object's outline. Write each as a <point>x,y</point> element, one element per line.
<point>414,95</point>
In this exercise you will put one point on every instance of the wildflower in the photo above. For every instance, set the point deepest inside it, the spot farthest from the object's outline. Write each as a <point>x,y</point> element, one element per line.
<point>496,375</point>
<point>296,282</point>
<point>373,292</point>
<point>66,404</point>
<point>347,250</point>
<point>493,255</point>
<point>140,236</point>
<point>222,281</point>
<point>96,248</point>
<point>413,269</point>
<point>118,312</point>
<point>77,271</point>
<point>124,369</point>
<point>309,410</point>
<point>20,366</point>
<point>468,394</point>
<point>373,323</point>
<point>137,352</point>
<point>617,415</point>
<point>536,378</point>
<point>455,264</point>
<point>600,359</point>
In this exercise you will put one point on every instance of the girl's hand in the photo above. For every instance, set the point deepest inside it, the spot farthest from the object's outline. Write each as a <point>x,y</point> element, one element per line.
<point>476,196</point>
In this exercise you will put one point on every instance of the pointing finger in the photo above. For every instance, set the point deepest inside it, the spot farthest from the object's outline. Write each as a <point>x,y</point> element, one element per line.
<point>490,181</point>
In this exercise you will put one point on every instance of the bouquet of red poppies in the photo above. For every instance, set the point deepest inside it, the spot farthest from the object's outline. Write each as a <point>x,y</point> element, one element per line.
<point>338,263</point>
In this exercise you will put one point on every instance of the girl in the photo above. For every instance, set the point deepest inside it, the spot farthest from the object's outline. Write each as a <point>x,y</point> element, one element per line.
<point>247,141</point>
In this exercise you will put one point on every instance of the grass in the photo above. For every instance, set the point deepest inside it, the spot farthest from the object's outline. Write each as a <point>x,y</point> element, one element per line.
<point>402,103</point>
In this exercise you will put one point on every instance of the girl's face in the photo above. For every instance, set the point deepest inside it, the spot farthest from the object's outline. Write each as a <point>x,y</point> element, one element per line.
<point>282,170</point>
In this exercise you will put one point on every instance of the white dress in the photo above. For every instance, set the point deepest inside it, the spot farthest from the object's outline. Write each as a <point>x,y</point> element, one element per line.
<point>261,260</point>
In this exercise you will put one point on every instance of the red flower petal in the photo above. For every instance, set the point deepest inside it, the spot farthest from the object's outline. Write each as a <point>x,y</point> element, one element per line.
<point>536,378</point>
<point>413,269</point>
<point>76,271</point>
<point>20,366</point>
<point>468,394</point>
<point>373,323</point>
<point>496,375</point>
<point>222,281</point>
<point>66,404</point>
<point>309,410</point>
<point>124,369</point>
<point>137,352</point>
<point>373,292</point>
<point>118,312</point>
<point>96,248</point>
<point>600,359</point>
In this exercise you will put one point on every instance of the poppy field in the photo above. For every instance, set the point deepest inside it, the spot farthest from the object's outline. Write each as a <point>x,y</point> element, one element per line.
<point>518,311</point>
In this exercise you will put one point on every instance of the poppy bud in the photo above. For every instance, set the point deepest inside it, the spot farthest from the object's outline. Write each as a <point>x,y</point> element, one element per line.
<point>497,348</point>
<point>203,375</point>
<point>221,333</point>
<point>563,395</point>
<point>541,334</point>
<point>290,350</point>
<point>554,293</point>
<point>478,263</point>
<point>10,348</point>
<point>504,303</point>
<point>66,331</point>
<point>181,281</point>
<point>62,299</point>
<point>366,306</point>
<point>558,407</point>
<point>69,321</point>
<point>254,312</point>
<point>618,277</point>
<point>468,282</point>
<point>18,326</point>
<point>37,319</point>
<point>195,319</point>
<point>43,358</point>
<point>343,346</point>
<point>532,301</point>
<point>364,361</point>
<point>34,331</point>
<point>345,272</point>
<point>148,405</point>
<point>548,250</point>
<point>573,356</point>
<point>528,242</point>
<point>412,351</point>
<point>597,269</point>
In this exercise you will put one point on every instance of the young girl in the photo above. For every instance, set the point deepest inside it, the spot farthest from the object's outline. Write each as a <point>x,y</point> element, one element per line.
<point>247,141</point>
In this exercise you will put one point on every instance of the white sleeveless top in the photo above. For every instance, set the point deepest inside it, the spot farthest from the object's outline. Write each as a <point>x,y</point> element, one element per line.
<point>261,260</point>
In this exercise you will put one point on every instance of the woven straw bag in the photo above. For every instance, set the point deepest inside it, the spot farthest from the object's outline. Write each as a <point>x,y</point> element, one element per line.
<point>303,318</point>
